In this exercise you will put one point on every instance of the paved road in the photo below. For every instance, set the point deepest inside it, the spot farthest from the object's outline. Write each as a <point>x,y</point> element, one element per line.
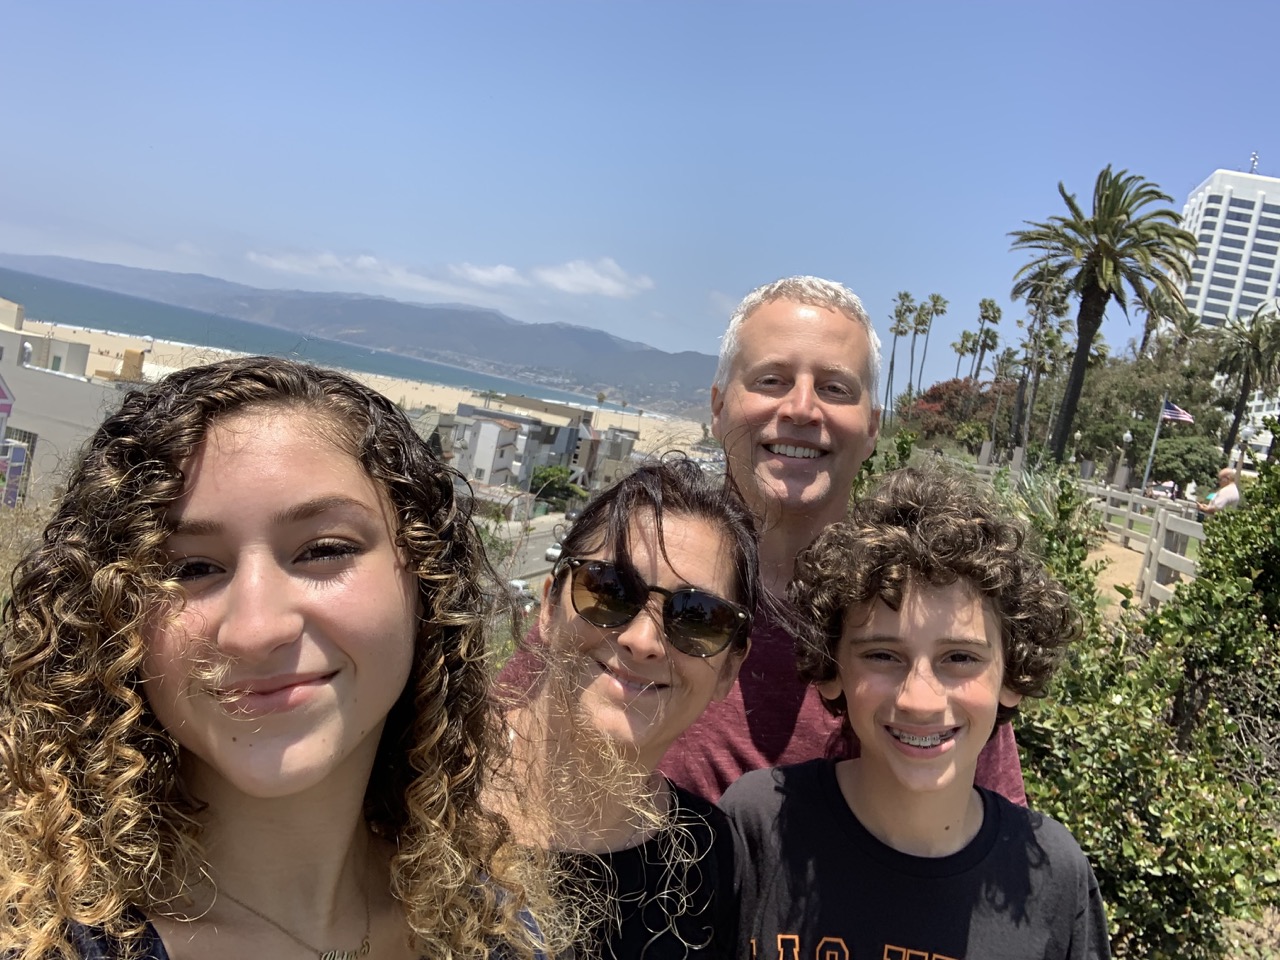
<point>528,561</point>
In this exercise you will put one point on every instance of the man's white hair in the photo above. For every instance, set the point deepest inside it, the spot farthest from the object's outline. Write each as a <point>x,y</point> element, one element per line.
<point>815,292</point>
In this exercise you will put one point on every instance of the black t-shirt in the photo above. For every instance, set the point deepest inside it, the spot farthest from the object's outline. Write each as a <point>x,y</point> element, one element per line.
<point>815,882</point>
<point>674,893</point>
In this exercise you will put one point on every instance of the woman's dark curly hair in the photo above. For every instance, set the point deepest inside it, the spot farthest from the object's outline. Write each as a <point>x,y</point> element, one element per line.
<point>924,527</point>
<point>95,817</point>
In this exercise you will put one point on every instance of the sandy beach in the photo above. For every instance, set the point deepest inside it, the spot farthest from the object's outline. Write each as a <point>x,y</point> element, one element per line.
<point>106,349</point>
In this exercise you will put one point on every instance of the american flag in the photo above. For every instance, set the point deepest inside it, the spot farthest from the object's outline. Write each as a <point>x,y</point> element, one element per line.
<point>1172,411</point>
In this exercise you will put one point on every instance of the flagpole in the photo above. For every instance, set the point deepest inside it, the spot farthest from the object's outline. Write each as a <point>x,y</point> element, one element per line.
<point>1146,476</point>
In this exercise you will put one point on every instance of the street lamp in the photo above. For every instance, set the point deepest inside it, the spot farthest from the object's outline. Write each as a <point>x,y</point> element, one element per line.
<point>1127,440</point>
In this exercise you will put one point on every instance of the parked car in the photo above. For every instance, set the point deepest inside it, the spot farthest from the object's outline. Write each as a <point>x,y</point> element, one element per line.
<point>553,552</point>
<point>522,595</point>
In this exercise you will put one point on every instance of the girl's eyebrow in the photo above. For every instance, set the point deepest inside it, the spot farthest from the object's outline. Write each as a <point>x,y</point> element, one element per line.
<point>294,514</point>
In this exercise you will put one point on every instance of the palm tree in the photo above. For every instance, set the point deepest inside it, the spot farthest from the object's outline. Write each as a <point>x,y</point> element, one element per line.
<point>1249,353</point>
<point>966,346</point>
<point>1159,310</point>
<point>600,398</point>
<point>1046,301</point>
<point>903,310</point>
<point>937,307</point>
<point>1184,333</point>
<point>988,339</point>
<point>918,324</point>
<point>1115,250</point>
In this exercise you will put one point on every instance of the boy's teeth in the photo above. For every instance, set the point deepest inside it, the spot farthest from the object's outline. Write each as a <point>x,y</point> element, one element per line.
<point>915,740</point>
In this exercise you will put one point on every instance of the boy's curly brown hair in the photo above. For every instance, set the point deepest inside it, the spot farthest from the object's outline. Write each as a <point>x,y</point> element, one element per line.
<point>95,819</point>
<point>926,527</point>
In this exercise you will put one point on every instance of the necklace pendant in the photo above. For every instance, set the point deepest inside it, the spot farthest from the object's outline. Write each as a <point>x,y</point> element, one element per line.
<point>347,954</point>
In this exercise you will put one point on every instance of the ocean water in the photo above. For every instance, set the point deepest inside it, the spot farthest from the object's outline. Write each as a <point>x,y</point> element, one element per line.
<point>71,303</point>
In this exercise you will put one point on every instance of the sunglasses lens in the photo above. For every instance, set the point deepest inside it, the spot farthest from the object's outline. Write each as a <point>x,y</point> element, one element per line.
<point>602,597</point>
<point>701,624</point>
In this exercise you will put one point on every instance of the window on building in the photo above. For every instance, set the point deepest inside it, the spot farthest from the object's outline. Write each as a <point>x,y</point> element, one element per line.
<point>1239,216</point>
<point>479,472</point>
<point>1214,198</point>
<point>1257,275</point>
<point>1217,281</point>
<point>1256,261</point>
<point>1265,248</point>
<point>1249,301</point>
<point>1193,291</point>
<point>1205,239</point>
<point>1240,204</point>
<point>1198,265</point>
<point>1234,242</point>
<point>1271,235</point>
<point>1255,288</point>
<point>1272,222</point>
<point>57,364</point>
<point>1215,294</point>
<point>1228,255</point>
<point>1236,228</point>
<point>1212,211</point>
<point>1196,277</point>
<point>1271,208</point>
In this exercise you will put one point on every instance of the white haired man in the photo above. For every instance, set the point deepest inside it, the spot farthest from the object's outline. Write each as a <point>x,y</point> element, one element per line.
<point>795,405</point>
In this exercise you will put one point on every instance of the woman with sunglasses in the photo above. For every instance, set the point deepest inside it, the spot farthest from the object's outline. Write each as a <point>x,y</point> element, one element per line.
<point>645,621</point>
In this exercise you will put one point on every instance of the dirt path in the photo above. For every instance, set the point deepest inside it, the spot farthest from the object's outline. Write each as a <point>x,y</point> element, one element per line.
<point>1123,566</point>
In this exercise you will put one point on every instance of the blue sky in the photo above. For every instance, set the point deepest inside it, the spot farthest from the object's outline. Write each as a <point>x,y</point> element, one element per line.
<point>633,167</point>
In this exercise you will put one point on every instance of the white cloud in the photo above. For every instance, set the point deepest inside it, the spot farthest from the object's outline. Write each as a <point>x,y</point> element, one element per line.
<point>359,271</point>
<point>471,282</point>
<point>499,275</point>
<point>603,277</point>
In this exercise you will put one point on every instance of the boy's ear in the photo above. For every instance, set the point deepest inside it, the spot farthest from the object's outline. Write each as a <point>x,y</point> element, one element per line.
<point>1009,698</point>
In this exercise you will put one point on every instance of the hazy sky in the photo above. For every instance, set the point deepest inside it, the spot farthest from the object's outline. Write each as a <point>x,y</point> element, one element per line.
<point>634,167</point>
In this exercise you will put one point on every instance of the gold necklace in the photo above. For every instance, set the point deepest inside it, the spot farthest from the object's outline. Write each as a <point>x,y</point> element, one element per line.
<point>361,951</point>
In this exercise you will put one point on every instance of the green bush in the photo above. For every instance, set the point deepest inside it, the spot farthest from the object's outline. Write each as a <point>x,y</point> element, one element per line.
<point>1160,787</point>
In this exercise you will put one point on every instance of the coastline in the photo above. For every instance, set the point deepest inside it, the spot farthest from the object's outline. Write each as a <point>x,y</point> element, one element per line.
<point>106,348</point>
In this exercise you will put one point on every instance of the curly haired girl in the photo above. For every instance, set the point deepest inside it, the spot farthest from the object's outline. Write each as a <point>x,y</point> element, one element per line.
<point>243,687</point>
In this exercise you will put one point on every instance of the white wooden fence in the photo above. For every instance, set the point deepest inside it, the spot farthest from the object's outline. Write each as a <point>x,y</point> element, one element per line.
<point>1165,528</point>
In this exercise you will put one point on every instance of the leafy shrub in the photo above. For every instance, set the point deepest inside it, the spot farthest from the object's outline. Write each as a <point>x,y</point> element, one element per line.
<point>1160,788</point>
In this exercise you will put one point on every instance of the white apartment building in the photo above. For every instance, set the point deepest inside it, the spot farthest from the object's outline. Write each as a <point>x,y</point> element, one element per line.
<point>1236,221</point>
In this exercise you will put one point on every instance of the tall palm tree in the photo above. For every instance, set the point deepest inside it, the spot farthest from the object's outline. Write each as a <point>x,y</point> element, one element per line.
<point>966,346</point>
<point>937,307</point>
<point>904,308</point>
<point>988,339</point>
<point>919,324</point>
<point>1249,353</point>
<point>1120,247</point>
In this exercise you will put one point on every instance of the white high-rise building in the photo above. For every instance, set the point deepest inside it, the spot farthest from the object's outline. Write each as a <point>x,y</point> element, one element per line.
<point>1236,220</point>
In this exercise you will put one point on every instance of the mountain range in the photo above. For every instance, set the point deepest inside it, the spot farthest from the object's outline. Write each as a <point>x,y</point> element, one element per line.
<point>557,354</point>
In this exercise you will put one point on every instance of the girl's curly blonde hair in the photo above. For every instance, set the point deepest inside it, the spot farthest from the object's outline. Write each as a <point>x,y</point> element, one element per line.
<point>96,822</point>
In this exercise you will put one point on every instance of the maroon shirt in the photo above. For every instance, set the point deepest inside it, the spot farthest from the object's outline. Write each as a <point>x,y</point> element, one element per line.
<point>768,719</point>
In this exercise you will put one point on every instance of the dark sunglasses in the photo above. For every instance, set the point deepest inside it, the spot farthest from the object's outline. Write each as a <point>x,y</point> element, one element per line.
<point>694,621</point>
